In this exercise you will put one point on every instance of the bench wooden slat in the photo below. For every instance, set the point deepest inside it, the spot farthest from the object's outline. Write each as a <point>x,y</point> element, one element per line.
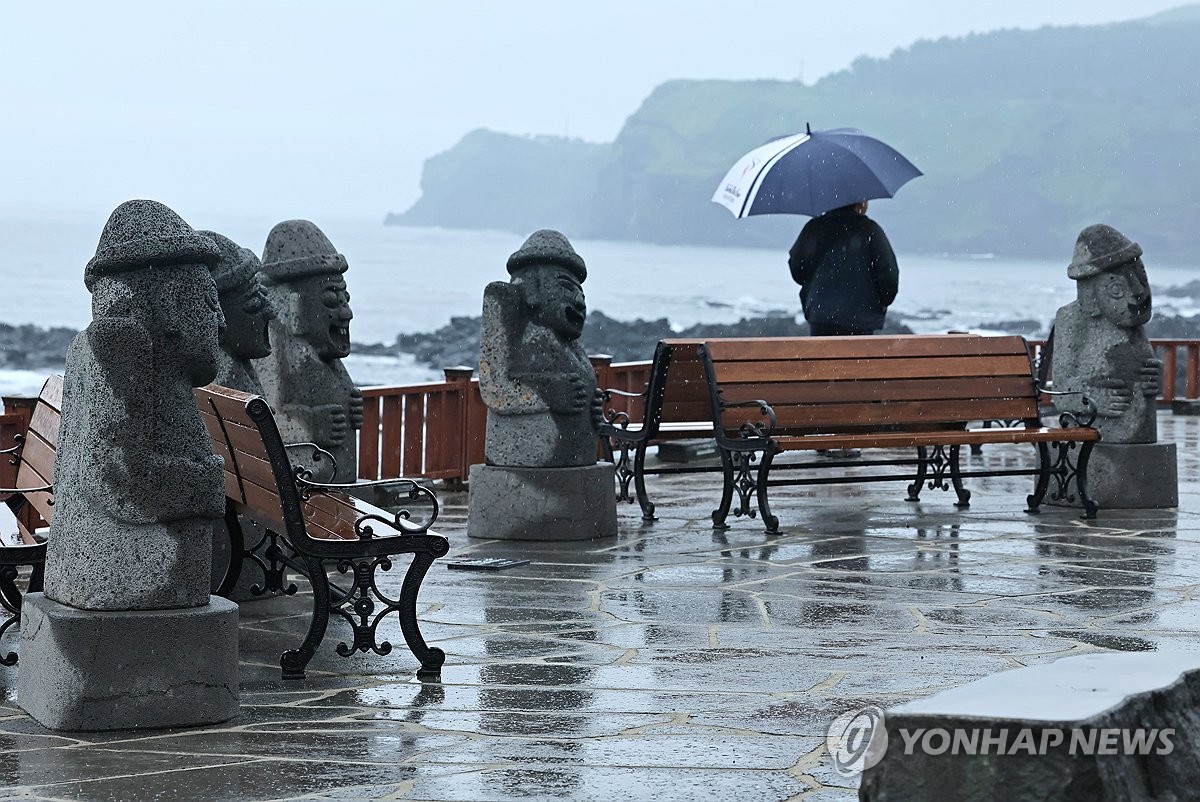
<point>45,421</point>
<point>229,404</point>
<point>947,438</point>
<point>254,469</point>
<point>754,349</point>
<point>37,462</point>
<point>896,413</point>
<point>43,503</point>
<point>854,369</point>
<point>232,486</point>
<point>52,392</point>
<point>869,390</point>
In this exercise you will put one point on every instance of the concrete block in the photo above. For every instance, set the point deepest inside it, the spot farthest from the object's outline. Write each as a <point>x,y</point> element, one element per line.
<point>1096,727</point>
<point>1134,476</point>
<point>1186,406</point>
<point>542,503</point>
<point>101,670</point>
<point>689,450</point>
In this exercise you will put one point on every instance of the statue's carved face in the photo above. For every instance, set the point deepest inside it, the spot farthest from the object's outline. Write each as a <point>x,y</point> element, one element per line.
<point>247,313</point>
<point>325,315</point>
<point>555,298</point>
<point>1120,295</point>
<point>189,322</point>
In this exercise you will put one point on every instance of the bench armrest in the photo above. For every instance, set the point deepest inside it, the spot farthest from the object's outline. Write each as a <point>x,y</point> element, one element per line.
<point>1068,419</point>
<point>401,520</point>
<point>763,429</point>
<point>319,455</point>
<point>18,440</point>
<point>609,393</point>
<point>613,418</point>
<point>20,490</point>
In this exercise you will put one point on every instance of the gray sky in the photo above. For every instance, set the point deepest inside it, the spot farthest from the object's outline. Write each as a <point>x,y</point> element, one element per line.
<point>292,108</point>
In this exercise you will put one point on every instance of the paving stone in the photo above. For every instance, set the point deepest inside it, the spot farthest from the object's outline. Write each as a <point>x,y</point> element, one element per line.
<point>671,661</point>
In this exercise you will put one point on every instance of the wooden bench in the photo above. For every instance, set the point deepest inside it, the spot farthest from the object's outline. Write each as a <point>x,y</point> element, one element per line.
<point>674,406</point>
<point>317,526</point>
<point>767,396</point>
<point>30,498</point>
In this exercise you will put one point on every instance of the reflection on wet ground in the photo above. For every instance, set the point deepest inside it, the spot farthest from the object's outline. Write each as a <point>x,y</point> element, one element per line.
<point>672,662</point>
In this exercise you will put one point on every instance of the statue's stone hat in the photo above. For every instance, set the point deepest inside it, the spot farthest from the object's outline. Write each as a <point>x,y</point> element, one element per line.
<point>297,249</point>
<point>1099,248</point>
<point>145,233</point>
<point>548,247</point>
<point>237,265</point>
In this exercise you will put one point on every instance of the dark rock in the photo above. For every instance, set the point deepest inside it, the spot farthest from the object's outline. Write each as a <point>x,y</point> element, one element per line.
<point>1112,726</point>
<point>32,347</point>
<point>1189,290</point>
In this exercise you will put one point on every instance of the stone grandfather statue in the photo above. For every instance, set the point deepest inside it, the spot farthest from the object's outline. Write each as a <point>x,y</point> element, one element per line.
<point>541,480</point>
<point>125,634</point>
<point>1101,351</point>
<point>248,314</point>
<point>304,380</point>
<point>138,483</point>
<point>534,377</point>
<point>1100,343</point>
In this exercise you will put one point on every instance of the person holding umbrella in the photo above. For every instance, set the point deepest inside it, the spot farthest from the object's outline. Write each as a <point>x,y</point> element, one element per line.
<point>846,270</point>
<point>842,260</point>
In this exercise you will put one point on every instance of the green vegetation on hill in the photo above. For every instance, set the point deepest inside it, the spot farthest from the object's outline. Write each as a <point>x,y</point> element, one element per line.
<point>1024,137</point>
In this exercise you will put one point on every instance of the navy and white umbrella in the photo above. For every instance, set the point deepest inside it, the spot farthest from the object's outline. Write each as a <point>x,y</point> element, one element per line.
<point>813,172</point>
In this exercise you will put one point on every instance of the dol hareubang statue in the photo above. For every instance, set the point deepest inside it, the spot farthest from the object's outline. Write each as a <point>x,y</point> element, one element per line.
<point>541,480</point>
<point>304,380</point>
<point>138,484</point>
<point>126,635</point>
<point>1101,352</point>
<point>537,382</point>
<point>1100,343</point>
<point>248,314</point>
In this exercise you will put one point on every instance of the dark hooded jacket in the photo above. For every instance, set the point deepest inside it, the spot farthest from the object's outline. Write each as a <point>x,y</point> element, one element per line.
<point>846,270</point>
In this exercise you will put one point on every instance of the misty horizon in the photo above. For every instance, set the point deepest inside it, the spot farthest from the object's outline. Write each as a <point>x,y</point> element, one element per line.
<point>300,110</point>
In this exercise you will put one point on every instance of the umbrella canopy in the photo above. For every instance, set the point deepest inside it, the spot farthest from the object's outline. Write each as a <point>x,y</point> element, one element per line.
<point>813,172</point>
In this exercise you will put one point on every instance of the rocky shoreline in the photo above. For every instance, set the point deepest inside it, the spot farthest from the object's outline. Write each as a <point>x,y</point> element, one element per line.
<point>30,347</point>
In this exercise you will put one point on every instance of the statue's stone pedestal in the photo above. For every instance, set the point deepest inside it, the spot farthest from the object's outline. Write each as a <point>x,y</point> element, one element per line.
<point>1131,476</point>
<point>99,670</point>
<point>1066,730</point>
<point>542,503</point>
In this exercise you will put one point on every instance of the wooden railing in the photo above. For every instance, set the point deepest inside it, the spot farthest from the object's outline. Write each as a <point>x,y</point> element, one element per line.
<point>1174,371</point>
<point>436,430</point>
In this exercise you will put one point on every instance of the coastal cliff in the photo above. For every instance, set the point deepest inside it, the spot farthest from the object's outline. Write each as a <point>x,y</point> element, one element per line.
<point>1024,136</point>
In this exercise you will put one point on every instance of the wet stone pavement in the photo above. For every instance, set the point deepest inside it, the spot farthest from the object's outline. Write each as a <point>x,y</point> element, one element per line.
<point>670,663</point>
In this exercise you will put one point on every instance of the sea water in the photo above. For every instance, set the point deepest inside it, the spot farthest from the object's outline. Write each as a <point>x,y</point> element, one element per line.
<point>415,279</point>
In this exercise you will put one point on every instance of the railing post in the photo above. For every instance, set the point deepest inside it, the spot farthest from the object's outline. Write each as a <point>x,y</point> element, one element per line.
<point>20,405</point>
<point>601,363</point>
<point>459,379</point>
<point>1168,377</point>
<point>1192,377</point>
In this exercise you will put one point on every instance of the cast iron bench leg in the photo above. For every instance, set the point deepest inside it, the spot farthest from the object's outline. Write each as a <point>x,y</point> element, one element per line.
<point>237,549</point>
<point>914,490</point>
<point>639,482</point>
<point>764,468</point>
<point>722,511</point>
<point>293,661</point>
<point>964,495</point>
<point>431,658</point>
<point>1034,501</point>
<point>1089,507</point>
